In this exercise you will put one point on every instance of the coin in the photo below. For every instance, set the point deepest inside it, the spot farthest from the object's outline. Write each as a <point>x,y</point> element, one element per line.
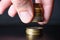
<point>38,13</point>
<point>33,33</point>
<point>33,30</point>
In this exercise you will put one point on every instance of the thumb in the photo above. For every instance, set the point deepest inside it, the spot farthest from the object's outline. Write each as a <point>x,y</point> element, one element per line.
<point>24,9</point>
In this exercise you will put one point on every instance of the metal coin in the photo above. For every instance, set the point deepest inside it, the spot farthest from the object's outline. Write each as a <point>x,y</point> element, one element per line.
<point>33,30</point>
<point>33,33</point>
<point>38,13</point>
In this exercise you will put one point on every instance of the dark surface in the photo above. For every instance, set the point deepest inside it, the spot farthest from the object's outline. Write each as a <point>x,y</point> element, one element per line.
<point>44,37</point>
<point>15,32</point>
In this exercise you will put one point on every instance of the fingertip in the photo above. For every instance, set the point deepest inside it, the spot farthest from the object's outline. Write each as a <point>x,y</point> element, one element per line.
<point>25,17</point>
<point>42,23</point>
<point>24,10</point>
<point>12,12</point>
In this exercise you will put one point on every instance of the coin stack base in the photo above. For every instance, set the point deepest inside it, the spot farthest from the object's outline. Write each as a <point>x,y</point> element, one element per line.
<point>33,33</point>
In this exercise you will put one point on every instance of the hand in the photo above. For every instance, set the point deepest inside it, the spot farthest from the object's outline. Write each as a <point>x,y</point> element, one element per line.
<point>25,9</point>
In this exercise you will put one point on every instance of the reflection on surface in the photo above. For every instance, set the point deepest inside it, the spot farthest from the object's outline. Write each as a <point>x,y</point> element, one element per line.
<point>44,37</point>
<point>16,32</point>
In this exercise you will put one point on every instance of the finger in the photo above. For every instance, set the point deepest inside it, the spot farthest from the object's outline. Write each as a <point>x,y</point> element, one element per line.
<point>12,11</point>
<point>3,5</point>
<point>42,23</point>
<point>47,5</point>
<point>24,9</point>
<point>37,1</point>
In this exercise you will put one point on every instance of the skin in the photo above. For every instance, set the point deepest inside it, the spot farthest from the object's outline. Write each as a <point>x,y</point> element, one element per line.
<point>24,9</point>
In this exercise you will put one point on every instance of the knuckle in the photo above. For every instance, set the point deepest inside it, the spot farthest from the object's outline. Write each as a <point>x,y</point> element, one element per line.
<point>19,3</point>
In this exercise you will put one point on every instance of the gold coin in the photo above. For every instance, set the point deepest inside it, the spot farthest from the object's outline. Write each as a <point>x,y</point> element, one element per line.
<point>38,13</point>
<point>33,30</point>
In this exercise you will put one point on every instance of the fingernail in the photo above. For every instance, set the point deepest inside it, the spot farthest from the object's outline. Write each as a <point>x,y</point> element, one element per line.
<point>25,17</point>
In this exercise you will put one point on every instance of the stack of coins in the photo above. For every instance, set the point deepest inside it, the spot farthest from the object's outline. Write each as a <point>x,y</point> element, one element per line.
<point>38,12</point>
<point>33,33</point>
